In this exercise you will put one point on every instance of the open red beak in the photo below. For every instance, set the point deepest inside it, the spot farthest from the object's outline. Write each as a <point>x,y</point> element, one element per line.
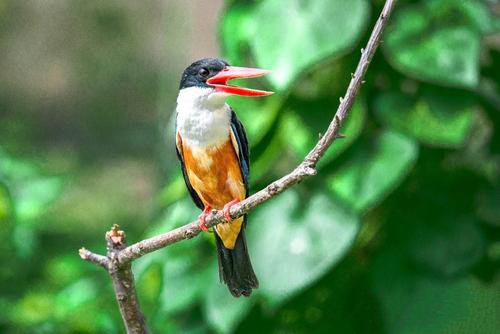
<point>219,81</point>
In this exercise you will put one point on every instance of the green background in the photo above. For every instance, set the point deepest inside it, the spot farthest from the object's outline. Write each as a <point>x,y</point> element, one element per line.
<point>398,233</point>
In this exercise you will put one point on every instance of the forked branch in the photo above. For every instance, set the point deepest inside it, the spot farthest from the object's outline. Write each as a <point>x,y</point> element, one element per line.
<point>118,260</point>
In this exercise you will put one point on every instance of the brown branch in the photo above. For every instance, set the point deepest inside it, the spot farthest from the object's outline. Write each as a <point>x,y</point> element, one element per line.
<point>122,278</point>
<point>123,283</point>
<point>119,257</point>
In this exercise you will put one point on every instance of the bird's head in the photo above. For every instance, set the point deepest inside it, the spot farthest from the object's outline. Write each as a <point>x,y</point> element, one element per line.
<point>209,78</point>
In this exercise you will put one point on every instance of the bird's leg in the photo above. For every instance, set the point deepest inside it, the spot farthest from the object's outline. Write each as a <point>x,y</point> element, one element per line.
<point>203,217</point>
<point>227,208</point>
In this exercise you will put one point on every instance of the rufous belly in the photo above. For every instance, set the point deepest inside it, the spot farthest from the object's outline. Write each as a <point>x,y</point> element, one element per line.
<point>214,173</point>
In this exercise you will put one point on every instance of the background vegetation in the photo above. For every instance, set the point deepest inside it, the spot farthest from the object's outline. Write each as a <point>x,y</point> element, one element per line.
<point>399,233</point>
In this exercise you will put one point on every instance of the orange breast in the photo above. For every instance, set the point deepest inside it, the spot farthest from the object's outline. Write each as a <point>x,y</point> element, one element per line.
<point>214,173</point>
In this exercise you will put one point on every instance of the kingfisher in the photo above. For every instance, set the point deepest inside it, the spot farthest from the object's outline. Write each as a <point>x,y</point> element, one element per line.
<point>213,151</point>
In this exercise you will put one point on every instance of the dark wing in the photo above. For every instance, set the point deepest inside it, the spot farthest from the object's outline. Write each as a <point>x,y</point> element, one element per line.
<point>240,142</point>
<point>192,192</point>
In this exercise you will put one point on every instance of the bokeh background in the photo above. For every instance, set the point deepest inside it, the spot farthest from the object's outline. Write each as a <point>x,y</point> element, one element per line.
<point>398,233</point>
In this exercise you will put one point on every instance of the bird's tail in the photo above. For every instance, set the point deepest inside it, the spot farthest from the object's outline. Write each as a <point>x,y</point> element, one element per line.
<point>235,268</point>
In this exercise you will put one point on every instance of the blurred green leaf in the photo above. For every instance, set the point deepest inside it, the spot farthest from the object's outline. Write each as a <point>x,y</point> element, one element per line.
<point>438,41</point>
<point>235,30</point>
<point>294,242</point>
<point>31,191</point>
<point>458,306</point>
<point>436,118</point>
<point>184,266</point>
<point>301,33</point>
<point>448,247</point>
<point>473,13</point>
<point>222,311</point>
<point>307,125</point>
<point>372,174</point>
<point>257,115</point>
<point>4,206</point>
<point>173,191</point>
<point>185,275</point>
<point>33,308</point>
<point>487,206</point>
<point>261,163</point>
<point>73,298</point>
<point>63,269</point>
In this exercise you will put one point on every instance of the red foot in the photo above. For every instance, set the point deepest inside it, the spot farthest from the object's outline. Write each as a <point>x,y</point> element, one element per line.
<point>227,208</point>
<point>203,217</point>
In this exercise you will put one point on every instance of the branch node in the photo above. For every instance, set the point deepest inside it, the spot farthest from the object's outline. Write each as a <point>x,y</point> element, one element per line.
<point>272,188</point>
<point>189,234</point>
<point>115,235</point>
<point>341,99</point>
<point>308,170</point>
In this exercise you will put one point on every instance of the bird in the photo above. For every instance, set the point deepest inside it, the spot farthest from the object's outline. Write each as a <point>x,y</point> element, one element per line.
<point>212,148</point>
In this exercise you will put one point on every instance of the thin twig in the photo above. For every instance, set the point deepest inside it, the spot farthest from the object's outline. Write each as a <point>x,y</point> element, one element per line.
<point>93,257</point>
<point>119,257</point>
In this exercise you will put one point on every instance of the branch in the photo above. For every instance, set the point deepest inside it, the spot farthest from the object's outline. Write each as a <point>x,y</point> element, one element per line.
<point>123,283</point>
<point>119,257</point>
<point>97,259</point>
<point>122,278</point>
<point>303,170</point>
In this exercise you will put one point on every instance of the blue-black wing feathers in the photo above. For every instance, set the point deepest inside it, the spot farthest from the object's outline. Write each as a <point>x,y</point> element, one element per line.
<point>244,153</point>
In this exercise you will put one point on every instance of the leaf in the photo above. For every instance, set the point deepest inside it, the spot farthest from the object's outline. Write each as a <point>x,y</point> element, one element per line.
<point>367,178</point>
<point>222,311</point>
<point>291,36</point>
<point>5,206</point>
<point>184,265</point>
<point>257,115</point>
<point>456,306</point>
<point>73,298</point>
<point>487,206</point>
<point>448,246</point>
<point>438,42</point>
<point>437,118</point>
<point>294,242</point>
<point>306,127</point>
<point>235,31</point>
<point>30,190</point>
<point>473,13</point>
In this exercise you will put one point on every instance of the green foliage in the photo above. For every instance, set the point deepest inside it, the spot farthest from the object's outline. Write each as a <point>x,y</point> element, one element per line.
<point>398,232</point>
<point>439,41</point>
<point>301,33</point>
<point>436,117</point>
<point>366,179</point>
<point>307,237</point>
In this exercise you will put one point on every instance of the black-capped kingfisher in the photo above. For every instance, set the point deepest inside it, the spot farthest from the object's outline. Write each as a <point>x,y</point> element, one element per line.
<point>213,151</point>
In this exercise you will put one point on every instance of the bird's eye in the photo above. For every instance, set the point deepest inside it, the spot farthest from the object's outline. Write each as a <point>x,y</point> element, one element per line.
<point>203,72</point>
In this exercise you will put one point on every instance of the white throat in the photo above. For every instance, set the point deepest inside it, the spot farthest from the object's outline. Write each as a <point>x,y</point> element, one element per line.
<point>203,117</point>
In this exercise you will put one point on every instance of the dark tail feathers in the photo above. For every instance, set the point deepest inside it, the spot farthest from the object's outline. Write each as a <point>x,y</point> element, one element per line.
<point>235,268</point>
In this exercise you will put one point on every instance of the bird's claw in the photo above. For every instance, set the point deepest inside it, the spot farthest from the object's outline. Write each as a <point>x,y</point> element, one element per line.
<point>227,208</point>
<point>202,226</point>
<point>202,218</point>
